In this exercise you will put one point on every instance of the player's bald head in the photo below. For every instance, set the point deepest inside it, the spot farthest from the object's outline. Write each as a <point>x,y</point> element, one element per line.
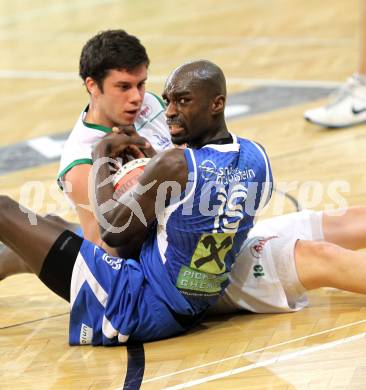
<point>195,95</point>
<point>202,74</point>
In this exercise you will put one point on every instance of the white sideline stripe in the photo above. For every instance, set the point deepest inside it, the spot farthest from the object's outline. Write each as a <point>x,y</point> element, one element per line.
<point>235,109</point>
<point>46,146</point>
<point>49,75</point>
<point>264,363</point>
<point>253,352</point>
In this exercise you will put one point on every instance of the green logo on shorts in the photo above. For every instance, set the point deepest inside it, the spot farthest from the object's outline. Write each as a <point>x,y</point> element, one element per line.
<point>258,271</point>
<point>197,283</point>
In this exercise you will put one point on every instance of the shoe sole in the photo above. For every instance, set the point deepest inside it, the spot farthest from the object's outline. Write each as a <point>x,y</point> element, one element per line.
<point>334,126</point>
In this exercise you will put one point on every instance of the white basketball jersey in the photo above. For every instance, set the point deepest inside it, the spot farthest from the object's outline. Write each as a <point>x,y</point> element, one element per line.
<point>150,123</point>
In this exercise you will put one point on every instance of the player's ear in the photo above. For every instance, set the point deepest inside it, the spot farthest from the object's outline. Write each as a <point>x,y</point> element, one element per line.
<point>218,104</point>
<point>92,87</point>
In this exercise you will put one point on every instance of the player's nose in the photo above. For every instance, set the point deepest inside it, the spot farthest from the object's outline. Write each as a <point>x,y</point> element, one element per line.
<point>171,110</point>
<point>136,96</point>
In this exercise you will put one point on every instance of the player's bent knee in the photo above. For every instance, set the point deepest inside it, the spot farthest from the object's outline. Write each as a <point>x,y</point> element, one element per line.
<point>323,250</point>
<point>315,263</point>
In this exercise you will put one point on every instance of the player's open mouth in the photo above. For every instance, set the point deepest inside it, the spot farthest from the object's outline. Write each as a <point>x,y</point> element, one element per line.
<point>175,129</point>
<point>131,113</point>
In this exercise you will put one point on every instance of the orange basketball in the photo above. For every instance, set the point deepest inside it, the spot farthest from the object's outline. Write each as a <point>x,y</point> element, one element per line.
<point>128,174</point>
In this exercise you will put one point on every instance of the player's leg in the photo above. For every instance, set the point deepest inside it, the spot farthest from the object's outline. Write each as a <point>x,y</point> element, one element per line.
<point>347,106</point>
<point>347,229</point>
<point>11,263</point>
<point>324,264</point>
<point>30,242</point>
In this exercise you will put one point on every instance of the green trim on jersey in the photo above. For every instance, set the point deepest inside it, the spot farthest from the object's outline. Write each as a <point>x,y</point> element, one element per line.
<point>105,129</point>
<point>72,165</point>
<point>160,100</point>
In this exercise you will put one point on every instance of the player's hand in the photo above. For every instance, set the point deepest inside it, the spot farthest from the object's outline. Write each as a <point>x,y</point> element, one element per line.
<point>115,144</point>
<point>131,131</point>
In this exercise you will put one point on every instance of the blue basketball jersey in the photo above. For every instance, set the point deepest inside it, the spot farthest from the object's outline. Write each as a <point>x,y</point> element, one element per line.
<point>190,252</point>
<point>186,258</point>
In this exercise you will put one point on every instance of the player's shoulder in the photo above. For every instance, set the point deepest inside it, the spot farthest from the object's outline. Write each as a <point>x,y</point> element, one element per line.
<point>255,155</point>
<point>247,141</point>
<point>169,164</point>
<point>251,144</point>
<point>171,157</point>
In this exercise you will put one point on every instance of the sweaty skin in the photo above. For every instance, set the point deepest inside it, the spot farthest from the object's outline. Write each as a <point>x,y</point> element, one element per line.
<point>187,100</point>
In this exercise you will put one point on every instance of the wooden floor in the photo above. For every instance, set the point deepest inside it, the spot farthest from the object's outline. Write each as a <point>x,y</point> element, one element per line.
<point>257,43</point>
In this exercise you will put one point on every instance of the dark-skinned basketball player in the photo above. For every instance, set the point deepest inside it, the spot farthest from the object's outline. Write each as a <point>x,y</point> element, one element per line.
<point>189,239</point>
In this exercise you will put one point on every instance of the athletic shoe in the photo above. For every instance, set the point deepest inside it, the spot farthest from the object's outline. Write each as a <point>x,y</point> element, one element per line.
<point>347,107</point>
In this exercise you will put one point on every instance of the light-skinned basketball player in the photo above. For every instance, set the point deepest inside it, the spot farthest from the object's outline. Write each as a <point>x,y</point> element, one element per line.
<point>113,66</point>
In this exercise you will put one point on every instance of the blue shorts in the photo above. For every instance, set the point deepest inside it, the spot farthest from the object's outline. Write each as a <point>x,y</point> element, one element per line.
<point>112,302</point>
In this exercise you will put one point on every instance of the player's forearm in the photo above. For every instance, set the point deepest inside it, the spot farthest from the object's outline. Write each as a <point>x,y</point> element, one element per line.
<point>117,219</point>
<point>104,203</point>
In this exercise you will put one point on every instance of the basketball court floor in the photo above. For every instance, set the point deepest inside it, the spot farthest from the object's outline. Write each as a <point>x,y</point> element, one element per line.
<point>280,57</point>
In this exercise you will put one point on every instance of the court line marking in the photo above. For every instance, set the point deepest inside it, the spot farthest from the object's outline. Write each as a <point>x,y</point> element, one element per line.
<point>251,41</point>
<point>271,361</point>
<point>32,13</point>
<point>206,39</point>
<point>135,366</point>
<point>33,321</point>
<point>253,352</point>
<point>291,198</point>
<point>50,75</point>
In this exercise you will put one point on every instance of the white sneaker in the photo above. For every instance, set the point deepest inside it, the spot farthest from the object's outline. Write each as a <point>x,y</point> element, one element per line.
<point>347,107</point>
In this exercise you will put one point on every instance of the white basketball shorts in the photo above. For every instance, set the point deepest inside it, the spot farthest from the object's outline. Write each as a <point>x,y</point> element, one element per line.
<point>264,277</point>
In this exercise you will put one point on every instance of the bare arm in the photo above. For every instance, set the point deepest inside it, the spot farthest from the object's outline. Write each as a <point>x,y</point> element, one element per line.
<point>77,184</point>
<point>130,218</point>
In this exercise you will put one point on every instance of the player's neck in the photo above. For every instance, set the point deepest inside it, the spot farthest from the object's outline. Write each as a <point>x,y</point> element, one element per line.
<point>96,117</point>
<point>220,136</point>
<point>228,139</point>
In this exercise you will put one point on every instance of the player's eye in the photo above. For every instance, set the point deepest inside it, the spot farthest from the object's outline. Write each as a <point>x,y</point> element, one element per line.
<point>124,87</point>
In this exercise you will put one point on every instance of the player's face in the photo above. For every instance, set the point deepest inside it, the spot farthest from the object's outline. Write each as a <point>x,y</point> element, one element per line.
<point>123,92</point>
<point>188,111</point>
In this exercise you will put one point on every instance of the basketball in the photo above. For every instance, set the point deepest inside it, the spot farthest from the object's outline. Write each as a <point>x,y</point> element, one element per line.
<point>127,175</point>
